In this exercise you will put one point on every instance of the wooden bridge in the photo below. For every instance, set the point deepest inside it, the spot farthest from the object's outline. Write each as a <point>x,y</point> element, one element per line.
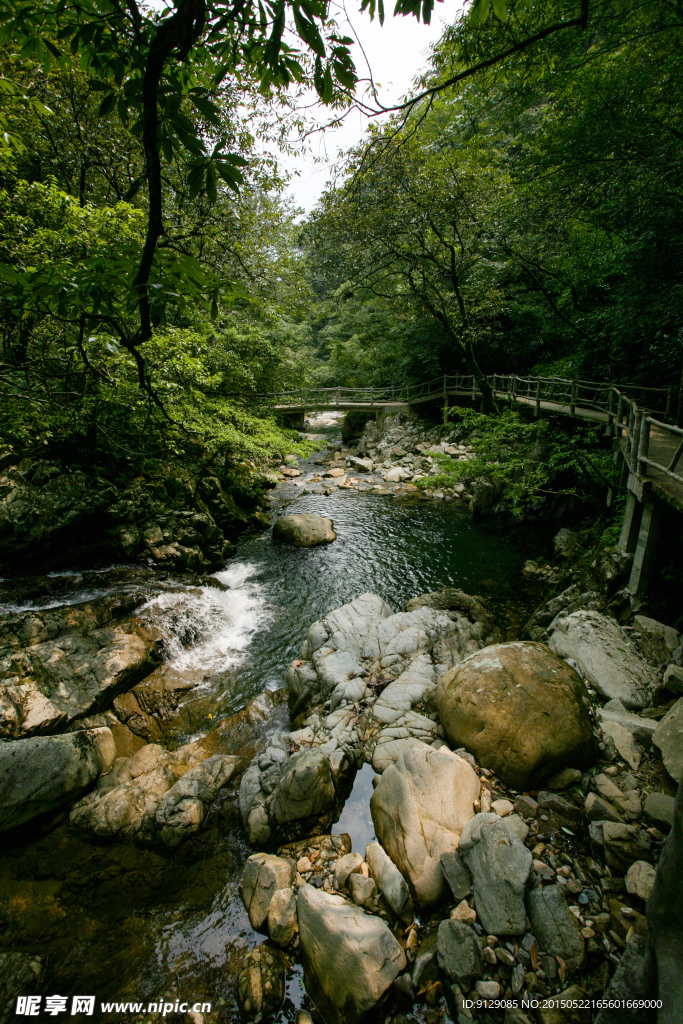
<point>648,447</point>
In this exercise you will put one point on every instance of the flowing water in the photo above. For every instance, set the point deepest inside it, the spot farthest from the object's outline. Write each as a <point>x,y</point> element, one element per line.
<point>124,923</point>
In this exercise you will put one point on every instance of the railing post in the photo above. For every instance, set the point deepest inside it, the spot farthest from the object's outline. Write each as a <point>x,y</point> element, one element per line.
<point>669,402</point>
<point>572,404</point>
<point>474,389</point>
<point>635,440</point>
<point>372,401</point>
<point>513,392</point>
<point>537,411</point>
<point>610,413</point>
<point>620,417</point>
<point>643,445</point>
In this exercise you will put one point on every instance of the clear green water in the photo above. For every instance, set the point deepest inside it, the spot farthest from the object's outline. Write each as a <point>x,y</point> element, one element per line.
<point>123,923</point>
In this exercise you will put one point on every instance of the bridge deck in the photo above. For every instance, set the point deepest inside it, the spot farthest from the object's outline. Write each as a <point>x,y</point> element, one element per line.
<point>662,444</point>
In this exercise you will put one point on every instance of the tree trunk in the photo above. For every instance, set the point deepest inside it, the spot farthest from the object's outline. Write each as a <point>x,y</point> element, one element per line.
<point>485,390</point>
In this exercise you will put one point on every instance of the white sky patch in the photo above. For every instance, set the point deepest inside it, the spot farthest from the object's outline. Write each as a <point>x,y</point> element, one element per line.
<point>397,53</point>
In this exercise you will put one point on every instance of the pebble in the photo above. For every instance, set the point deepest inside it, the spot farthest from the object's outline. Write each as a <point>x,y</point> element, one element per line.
<point>487,989</point>
<point>463,912</point>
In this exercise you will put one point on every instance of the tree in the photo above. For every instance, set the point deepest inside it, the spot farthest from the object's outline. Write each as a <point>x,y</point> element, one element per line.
<point>415,223</point>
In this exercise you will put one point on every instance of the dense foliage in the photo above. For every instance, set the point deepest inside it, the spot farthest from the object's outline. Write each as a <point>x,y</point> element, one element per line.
<point>537,460</point>
<point>525,218</point>
<point>520,211</point>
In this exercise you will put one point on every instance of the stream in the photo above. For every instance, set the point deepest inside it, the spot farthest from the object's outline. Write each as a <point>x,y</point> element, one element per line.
<point>125,923</point>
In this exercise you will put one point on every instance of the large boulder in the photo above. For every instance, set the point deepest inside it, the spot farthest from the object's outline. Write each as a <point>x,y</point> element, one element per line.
<point>287,796</point>
<point>155,796</point>
<point>605,656</point>
<point>419,809</point>
<point>44,773</point>
<point>52,680</point>
<point>351,958</point>
<point>521,711</point>
<point>499,863</point>
<point>668,740</point>
<point>182,809</point>
<point>304,530</point>
<point>264,874</point>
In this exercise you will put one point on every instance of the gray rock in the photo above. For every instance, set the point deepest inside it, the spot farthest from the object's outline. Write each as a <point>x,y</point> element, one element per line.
<point>628,803</point>
<point>362,889</point>
<point>304,530</point>
<point>390,882</point>
<point>564,779</point>
<point>44,773</point>
<point>515,826</point>
<point>305,789</point>
<point>261,982</point>
<point>604,655</point>
<point>181,811</point>
<point>526,805</point>
<point>624,742</point>
<point>289,796</point>
<point>668,740</point>
<point>628,984</point>
<point>555,929</point>
<point>642,729</point>
<point>264,874</point>
<point>486,493</point>
<point>599,809</point>
<point>548,801</point>
<point>351,958</point>
<point>426,966</point>
<point>624,844</point>
<point>20,975</point>
<point>656,641</point>
<point>459,951</point>
<point>499,864</point>
<point>665,923</point>
<point>659,810</point>
<point>566,542</point>
<point>282,919</point>
<point>126,801</point>
<point>456,874</point>
<point>673,678</point>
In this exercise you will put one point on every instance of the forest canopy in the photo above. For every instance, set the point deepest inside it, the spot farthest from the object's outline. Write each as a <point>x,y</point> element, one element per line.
<point>519,212</point>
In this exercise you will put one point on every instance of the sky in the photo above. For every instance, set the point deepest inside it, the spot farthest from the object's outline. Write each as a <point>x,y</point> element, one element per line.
<point>396,51</point>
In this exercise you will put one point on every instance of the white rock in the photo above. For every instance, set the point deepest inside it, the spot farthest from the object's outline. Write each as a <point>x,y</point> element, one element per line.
<point>640,878</point>
<point>351,957</point>
<point>604,655</point>
<point>419,810</point>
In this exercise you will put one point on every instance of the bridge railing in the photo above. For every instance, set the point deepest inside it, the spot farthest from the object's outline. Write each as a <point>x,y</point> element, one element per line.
<point>649,443</point>
<point>572,393</point>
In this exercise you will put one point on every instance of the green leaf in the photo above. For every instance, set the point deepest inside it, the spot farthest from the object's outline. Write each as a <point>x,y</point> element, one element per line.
<point>500,9</point>
<point>106,105</point>
<point>211,183</point>
<point>195,180</point>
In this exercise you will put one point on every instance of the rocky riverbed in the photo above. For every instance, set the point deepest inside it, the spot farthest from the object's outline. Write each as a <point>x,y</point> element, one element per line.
<point>513,783</point>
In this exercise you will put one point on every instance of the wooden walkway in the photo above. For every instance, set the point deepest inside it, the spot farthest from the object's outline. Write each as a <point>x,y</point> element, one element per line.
<point>639,419</point>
